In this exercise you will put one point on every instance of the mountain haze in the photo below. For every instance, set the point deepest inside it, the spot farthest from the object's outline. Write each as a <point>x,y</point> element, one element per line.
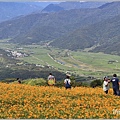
<point>71,5</point>
<point>9,10</point>
<point>78,5</point>
<point>52,8</point>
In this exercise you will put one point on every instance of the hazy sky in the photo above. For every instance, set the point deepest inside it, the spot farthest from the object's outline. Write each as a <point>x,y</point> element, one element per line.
<point>53,0</point>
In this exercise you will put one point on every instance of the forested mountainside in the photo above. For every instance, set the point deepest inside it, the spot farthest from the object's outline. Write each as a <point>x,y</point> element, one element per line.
<point>104,36</point>
<point>70,29</point>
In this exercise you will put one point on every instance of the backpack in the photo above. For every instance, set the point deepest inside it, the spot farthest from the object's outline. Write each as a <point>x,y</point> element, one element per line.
<point>67,84</point>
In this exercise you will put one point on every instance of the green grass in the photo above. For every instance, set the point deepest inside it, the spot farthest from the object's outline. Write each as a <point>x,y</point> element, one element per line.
<point>37,81</point>
<point>79,63</point>
<point>98,60</point>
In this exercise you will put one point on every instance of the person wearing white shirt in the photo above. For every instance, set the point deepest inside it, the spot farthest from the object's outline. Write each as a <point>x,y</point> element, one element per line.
<point>106,85</point>
<point>67,82</point>
<point>51,80</point>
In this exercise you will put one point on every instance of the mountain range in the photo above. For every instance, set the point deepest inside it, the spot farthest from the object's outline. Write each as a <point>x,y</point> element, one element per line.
<point>96,28</point>
<point>9,10</point>
<point>71,5</point>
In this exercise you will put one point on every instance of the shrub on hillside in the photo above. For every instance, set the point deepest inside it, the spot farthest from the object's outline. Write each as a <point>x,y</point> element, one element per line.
<point>96,83</point>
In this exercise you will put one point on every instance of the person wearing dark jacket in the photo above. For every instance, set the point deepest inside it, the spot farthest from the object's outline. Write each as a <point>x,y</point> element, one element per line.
<point>115,84</point>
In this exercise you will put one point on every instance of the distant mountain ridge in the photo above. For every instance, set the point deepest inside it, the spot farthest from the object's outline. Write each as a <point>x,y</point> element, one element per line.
<point>9,10</point>
<point>77,5</point>
<point>52,8</point>
<point>69,29</point>
<point>71,5</point>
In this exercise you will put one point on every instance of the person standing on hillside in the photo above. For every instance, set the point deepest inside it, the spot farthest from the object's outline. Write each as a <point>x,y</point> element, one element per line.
<point>115,84</point>
<point>51,80</point>
<point>105,85</point>
<point>67,82</point>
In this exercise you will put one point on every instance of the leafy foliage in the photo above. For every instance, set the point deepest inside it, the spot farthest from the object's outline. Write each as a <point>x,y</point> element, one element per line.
<point>96,83</point>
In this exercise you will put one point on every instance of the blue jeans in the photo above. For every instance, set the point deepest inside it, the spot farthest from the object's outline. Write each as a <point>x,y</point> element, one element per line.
<point>116,91</point>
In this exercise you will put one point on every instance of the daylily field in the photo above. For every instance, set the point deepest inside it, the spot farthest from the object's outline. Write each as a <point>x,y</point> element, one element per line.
<point>25,102</point>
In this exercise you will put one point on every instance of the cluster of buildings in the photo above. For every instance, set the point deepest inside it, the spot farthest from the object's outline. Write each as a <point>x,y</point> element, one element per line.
<point>17,54</point>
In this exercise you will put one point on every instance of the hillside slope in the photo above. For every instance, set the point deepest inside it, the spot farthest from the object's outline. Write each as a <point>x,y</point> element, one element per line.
<point>104,35</point>
<point>12,68</point>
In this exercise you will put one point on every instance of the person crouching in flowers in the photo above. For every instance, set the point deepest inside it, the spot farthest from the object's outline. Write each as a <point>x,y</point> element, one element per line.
<point>19,81</point>
<point>106,84</point>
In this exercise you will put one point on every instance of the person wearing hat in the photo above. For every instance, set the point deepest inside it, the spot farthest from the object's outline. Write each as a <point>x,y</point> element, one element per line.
<point>105,85</point>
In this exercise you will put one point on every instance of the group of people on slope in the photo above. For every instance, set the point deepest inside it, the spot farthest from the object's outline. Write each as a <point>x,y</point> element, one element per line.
<point>52,81</point>
<point>115,84</point>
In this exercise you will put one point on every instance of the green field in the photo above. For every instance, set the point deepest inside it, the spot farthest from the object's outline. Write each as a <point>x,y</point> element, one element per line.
<point>74,62</point>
